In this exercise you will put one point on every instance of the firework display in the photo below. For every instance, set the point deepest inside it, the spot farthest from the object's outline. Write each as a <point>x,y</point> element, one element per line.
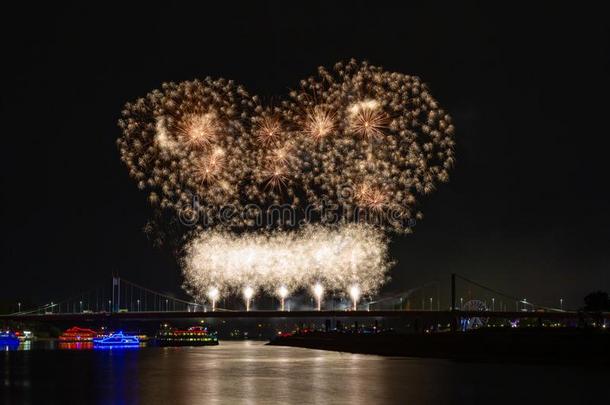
<point>346,154</point>
<point>280,262</point>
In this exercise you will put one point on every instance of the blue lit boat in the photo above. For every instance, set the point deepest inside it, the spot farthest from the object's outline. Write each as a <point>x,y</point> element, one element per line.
<point>117,340</point>
<point>8,339</point>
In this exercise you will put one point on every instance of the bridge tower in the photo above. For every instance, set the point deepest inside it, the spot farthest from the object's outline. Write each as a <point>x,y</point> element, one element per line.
<point>453,291</point>
<point>116,293</point>
<point>454,320</point>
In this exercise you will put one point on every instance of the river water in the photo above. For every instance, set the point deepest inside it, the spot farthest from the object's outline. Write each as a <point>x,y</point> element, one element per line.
<point>248,372</point>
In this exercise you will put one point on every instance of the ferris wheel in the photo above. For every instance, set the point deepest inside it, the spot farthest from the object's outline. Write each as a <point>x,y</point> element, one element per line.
<point>475,322</point>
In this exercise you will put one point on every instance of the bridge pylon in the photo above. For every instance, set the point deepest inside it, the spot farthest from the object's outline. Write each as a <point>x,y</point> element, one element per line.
<point>116,293</point>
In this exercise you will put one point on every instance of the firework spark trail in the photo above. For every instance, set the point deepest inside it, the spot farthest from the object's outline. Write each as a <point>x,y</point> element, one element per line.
<point>354,136</point>
<point>338,258</point>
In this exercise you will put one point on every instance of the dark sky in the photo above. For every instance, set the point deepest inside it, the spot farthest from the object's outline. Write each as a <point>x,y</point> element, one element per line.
<point>527,207</point>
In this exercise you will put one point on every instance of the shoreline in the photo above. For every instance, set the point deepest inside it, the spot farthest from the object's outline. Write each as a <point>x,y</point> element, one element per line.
<point>532,345</point>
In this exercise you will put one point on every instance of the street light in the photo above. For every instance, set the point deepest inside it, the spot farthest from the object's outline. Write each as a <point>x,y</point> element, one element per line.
<point>80,303</point>
<point>561,304</point>
<point>430,303</point>
<point>248,294</point>
<point>166,305</point>
<point>138,301</point>
<point>19,306</point>
<point>213,296</point>
<point>318,291</point>
<point>109,306</point>
<point>493,304</point>
<point>283,293</point>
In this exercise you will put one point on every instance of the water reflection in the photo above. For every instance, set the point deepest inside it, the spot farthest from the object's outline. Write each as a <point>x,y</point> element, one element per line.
<point>5,347</point>
<point>25,345</point>
<point>52,344</point>
<point>75,345</point>
<point>251,373</point>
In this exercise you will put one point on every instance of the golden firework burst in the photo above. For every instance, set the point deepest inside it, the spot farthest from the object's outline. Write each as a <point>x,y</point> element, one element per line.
<point>269,129</point>
<point>199,130</point>
<point>373,198</point>
<point>276,175</point>
<point>211,166</point>
<point>368,119</point>
<point>319,122</point>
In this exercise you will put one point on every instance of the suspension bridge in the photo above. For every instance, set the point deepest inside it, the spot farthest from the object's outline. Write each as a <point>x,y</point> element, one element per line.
<point>125,300</point>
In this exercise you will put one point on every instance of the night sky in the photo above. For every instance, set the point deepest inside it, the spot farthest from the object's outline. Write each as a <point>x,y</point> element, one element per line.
<point>527,206</point>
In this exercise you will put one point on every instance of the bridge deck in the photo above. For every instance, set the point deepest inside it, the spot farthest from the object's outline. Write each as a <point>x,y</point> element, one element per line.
<point>145,316</point>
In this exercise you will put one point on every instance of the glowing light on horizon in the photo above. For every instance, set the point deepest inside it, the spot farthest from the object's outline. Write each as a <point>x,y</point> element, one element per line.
<point>318,292</point>
<point>248,294</point>
<point>354,293</point>
<point>283,293</point>
<point>213,295</point>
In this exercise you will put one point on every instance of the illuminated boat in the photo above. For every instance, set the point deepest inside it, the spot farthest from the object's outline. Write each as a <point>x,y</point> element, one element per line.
<point>194,336</point>
<point>76,334</point>
<point>24,335</point>
<point>8,339</point>
<point>117,340</point>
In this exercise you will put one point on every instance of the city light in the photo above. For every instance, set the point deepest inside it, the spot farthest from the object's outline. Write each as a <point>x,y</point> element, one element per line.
<point>354,293</point>
<point>248,294</point>
<point>213,296</point>
<point>318,292</point>
<point>283,293</point>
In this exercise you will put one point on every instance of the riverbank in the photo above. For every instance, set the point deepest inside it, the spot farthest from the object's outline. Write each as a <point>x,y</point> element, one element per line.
<point>546,345</point>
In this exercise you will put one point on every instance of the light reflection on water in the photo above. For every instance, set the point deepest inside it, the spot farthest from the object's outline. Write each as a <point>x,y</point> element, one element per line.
<point>75,345</point>
<point>250,372</point>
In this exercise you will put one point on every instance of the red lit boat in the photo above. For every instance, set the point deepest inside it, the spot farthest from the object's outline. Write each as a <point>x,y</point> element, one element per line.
<point>76,334</point>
